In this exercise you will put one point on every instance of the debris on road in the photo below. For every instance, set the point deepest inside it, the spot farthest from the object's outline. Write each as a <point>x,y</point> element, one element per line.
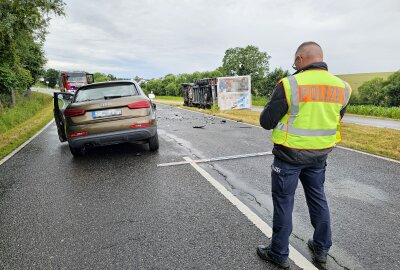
<point>202,126</point>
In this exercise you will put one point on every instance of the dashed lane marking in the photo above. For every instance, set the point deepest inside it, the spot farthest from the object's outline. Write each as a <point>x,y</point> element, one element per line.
<point>294,255</point>
<point>215,159</point>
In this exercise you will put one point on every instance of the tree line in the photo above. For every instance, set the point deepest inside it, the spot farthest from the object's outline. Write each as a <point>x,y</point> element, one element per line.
<point>238,61</point>
<point>23,27</point>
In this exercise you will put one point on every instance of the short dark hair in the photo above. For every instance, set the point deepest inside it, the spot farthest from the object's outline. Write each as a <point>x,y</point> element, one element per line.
<point>305,44</point>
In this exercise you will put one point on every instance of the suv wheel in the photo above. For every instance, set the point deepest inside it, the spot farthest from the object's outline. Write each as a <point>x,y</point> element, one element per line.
<point>153,143</point>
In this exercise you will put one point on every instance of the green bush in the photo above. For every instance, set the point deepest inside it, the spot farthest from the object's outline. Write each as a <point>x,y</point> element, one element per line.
<point>13,78</point>
<point>371,92</point>
<point>379,92</point>
<point>392,89</point>
<point>259,101</point>
<point>268,83</point>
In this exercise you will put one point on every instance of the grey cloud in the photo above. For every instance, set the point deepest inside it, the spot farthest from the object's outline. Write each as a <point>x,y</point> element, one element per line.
<point>156,37</point>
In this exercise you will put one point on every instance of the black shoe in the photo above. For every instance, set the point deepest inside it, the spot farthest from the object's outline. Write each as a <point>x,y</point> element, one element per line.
<point>263,252</point>
<point>319,255</point>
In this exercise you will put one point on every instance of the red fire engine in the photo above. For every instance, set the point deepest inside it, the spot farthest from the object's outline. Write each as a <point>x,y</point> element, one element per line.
<point>71,81</point>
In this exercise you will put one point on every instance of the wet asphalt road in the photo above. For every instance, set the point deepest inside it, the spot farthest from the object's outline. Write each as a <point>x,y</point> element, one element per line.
<point>114,209</point>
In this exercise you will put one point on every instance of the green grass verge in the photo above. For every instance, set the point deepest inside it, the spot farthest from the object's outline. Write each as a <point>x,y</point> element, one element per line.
<point>25,108</point>
<point>380,141</point>
<point>21,122</point>
<point>170,98</point>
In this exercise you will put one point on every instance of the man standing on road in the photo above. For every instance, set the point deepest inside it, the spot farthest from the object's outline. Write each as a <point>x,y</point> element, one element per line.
<point>304,112</point>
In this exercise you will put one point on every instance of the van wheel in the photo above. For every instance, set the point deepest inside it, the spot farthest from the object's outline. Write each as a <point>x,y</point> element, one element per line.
<point>77,152</point>
<point>153,143</point>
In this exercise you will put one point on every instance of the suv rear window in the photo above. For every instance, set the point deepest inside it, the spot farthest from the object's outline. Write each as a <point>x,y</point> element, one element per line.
<point>107,91</point>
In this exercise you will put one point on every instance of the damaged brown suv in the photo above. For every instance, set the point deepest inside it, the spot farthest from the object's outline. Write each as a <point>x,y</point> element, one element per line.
<point>103,114</point>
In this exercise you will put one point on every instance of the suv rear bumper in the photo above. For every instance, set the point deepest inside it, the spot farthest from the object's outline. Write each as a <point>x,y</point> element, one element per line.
<point>115,137</point>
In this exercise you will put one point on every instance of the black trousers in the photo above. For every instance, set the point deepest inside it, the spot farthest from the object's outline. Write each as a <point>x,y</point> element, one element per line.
<point>285,177</point>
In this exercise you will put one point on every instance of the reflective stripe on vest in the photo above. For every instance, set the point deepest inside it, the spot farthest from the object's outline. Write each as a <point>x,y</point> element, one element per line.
<point>306,132</point>
<point>312,121</point>
<point>295,110</point>
<point>294,99</point>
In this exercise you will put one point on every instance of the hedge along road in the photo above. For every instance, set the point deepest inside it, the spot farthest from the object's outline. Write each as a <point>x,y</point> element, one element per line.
<point>115,207</point>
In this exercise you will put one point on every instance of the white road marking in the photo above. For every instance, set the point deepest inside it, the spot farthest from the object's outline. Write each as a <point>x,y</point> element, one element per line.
<point>24,144</point>
<point>341,147</point>
<point>215,159</point>
<point>294,255</point>
<point>368,154</point>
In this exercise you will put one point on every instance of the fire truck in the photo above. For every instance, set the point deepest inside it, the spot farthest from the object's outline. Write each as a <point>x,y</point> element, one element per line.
<point>71,81</point>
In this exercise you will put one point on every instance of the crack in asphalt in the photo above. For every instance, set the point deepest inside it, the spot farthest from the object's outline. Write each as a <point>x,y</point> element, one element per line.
<point>337,262</point>
<point>241,192</point>
<point>222,174</point>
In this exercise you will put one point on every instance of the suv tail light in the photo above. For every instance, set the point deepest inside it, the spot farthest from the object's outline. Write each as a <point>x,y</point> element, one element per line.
<point>73,112</point>
<point>78,134</point>
<point>141,125</point>
<point>139,105</point>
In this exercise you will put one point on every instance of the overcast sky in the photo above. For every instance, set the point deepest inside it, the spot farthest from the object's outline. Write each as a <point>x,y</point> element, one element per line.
<point>156,37</point>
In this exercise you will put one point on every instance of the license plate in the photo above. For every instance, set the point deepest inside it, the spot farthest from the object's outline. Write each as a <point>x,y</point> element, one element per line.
<point>106,113</point>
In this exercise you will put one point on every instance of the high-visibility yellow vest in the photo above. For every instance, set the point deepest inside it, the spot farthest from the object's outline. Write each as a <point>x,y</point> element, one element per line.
<point>315,98</point>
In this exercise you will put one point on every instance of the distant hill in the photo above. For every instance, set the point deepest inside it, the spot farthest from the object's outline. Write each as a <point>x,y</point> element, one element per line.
<point>357,79</point>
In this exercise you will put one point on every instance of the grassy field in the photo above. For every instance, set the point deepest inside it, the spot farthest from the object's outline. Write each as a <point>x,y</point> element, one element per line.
<point>22,121</point>
<point>170,98</point>
<point>384,142</point>
<point>357,79</point>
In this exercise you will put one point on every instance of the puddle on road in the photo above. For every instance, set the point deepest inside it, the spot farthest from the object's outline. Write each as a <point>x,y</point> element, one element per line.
<point>359,191</point>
